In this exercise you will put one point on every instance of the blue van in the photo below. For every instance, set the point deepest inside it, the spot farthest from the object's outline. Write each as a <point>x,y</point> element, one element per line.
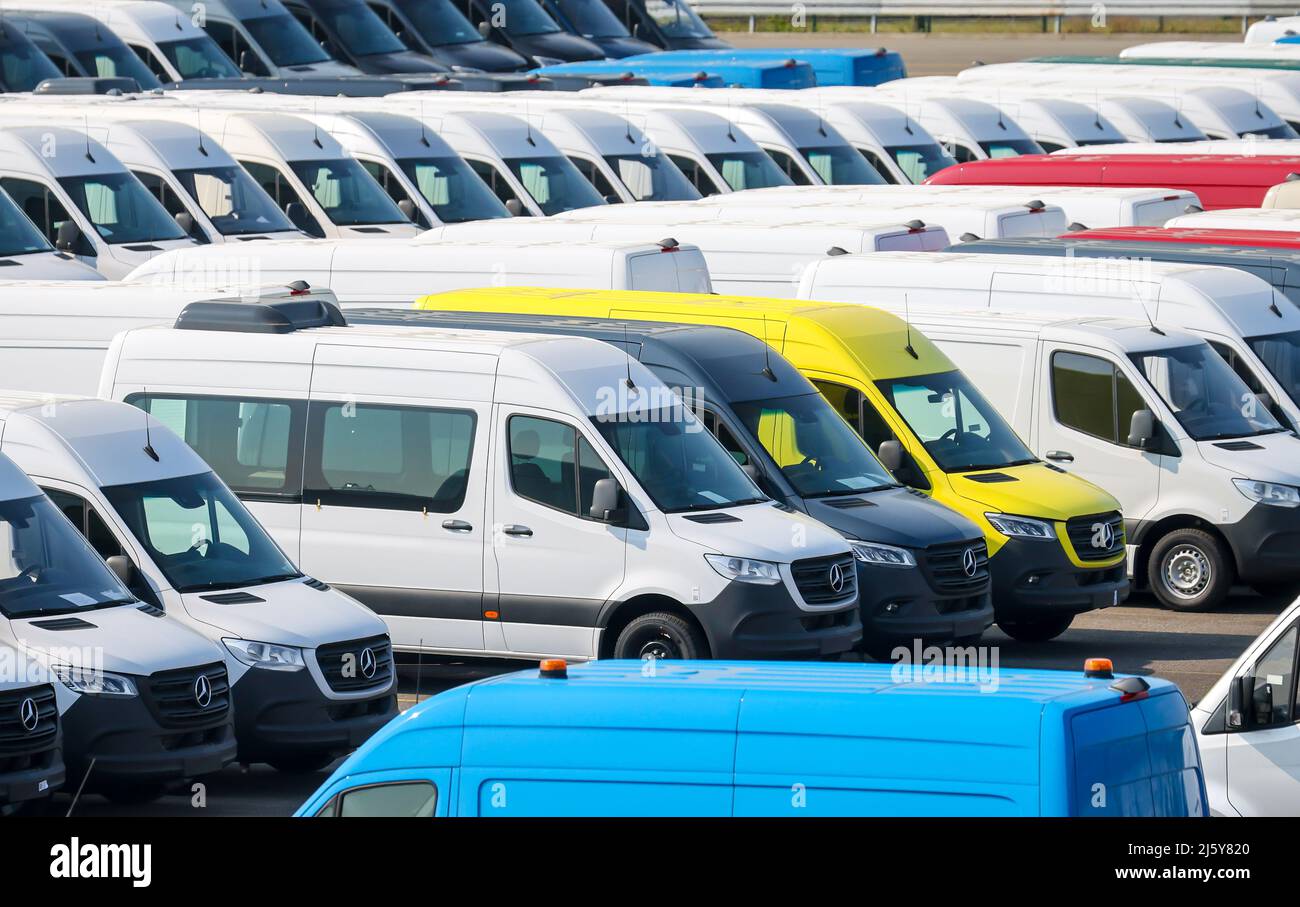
<point>786,72</point>
<point>653,75</point>
<point>694,738</point>
<point>830,65</point>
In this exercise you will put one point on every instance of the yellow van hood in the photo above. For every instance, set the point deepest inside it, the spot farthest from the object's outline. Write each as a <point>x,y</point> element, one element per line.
<point>1037,490</point>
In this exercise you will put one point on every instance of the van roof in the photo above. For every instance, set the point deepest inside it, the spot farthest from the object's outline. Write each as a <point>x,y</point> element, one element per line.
<point>32,144</point>
<point>176,144</point>
<point>1121,335</point>
<point>104,439</point>
<point>874,339</point>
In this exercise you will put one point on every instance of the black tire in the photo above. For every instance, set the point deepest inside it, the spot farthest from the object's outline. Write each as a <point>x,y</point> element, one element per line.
<point>129,794</point>
<point>661,635</point>
<point>1039,629</point>
<point>1189,570</point>
<point>300,763</point>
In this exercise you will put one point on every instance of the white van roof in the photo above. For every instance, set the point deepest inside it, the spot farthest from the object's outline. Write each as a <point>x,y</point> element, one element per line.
<point>102,439</point>
<point>943,115</point>
<point>55,150</point>
<point>1121,336</point>
<point>128,19</point>
<point>1241,219</point>
<point>173,145</point>
<point>1268,30</point>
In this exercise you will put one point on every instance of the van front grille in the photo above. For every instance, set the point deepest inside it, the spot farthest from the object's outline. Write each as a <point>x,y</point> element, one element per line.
<point>959,569</point>
<point>1099,537</point>
<point>356,665</point>
<point>821,584</point>
<point>29,719</point>
<point>188,697</point>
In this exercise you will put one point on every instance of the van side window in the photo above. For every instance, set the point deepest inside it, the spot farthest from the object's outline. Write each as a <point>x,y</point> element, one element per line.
<point>848,403</point>
<point>245,441</point>
<point>1090,395</point>
<point>592,174</point>
<point>385,178</point>
<point>151,61</point>
<point>389,457</point>
<point>161,191</point>
<point>960,153</point>
<point>789,166</point>
<point>1272,686</point>
<point>497,182</point>
<point>280,189</point>
<point>402,799</point>
<point>236,46</point>
<point>695,174</point>
<point>720,431</point>
<point>38,203</point>
<point>88,522</point>
<point>552,464</point>
<point>868,423</point>
<point>878,165</point>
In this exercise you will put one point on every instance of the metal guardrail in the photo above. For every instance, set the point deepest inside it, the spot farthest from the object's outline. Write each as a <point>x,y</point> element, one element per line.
<point>1247,9</point>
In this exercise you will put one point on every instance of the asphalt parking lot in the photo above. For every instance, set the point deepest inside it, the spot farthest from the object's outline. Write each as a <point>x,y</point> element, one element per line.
<point>1141,638</point>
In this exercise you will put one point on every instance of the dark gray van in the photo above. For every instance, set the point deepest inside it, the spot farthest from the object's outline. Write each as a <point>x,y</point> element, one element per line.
<point>922,568</point>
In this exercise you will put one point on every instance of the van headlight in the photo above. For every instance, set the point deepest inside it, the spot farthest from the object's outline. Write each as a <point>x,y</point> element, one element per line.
<point>745,569</point>
<point>90,682</point>
<point>1269,493</point>
<point>1020,527</point>
<point>265,654</point>
<point>881,555</point>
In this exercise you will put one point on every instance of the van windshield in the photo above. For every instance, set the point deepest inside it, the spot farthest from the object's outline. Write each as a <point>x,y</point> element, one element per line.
<point>677,19</point>
<point>233,201</point>
<point>199,534</point>
<point>652,177</point>
<point>591,18</point>
<point>815,448</point>
<point>525,17</point>
<point>284,39</point>
<point>121,208</point>
<point>920,161</point>
<point>439,23</point>
<point>554,183</point>
<point>349,195</point>
<point>1011,148</point>
<point>1206,396</point>
<point>1280,354</point>
<point>1280,131</point>
<point>116,61</point>
<point>749,170</point>
<point>356,26</point>
<point>18,235</point>
<point>22,65</point>
<point>47,567</point>
<point>841,165</point>
<point>452,189</point>
<point>677,461</point>
<point>199,58</point>
<point>958,427</point>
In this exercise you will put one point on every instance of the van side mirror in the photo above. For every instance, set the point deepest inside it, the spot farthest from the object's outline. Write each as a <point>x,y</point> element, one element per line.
<point>300,218</point>
<point>606,501</point>
<point>515,207</point>
<point>485,29</point>
<point>890,454</point>
<point>185,221</point>
<point>122,568</point>
<point>1142,430</point>
<point>1237,697</point>
<point>68,237</point>
<point>407,207</point>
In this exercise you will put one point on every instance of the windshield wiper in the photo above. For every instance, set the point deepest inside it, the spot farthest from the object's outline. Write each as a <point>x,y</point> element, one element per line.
<point>842,492</point>
<point>274,578</point>
<point>688,508</point>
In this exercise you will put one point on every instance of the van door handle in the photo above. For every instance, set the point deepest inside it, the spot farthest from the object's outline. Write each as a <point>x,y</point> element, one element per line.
<point>521,531</point>
<point>1060,456</point>
<point>457,526</point>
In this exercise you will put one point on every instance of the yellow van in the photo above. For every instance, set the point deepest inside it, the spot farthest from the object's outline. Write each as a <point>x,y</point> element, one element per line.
<point>1056,542</point>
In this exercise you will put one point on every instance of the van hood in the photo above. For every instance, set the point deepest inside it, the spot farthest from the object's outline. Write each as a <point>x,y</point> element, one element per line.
<point>397,63</point>
<point>1267,458</point>
<point>1034,489</point>
<point>131,641</point>
<point>762,531</point>
<point>482,55</point>
<point>324,68</point>
<point>47,266</point>
<point>131,255</point>
<point>379,231</point>
<point>894,517</point>
<point>289,613</point>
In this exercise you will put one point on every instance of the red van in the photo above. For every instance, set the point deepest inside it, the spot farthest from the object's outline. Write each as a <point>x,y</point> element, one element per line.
<point>1220,181</point>
<point>1268,239</point>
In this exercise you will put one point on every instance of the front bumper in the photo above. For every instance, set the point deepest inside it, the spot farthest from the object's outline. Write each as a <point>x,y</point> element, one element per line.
<point>901,605</point>
<point>128,744</point>
<point>1036,579</point>
<point>749,621</point>
<point>28,776</point>
<point>1264,544</point>
<point>285,712</point>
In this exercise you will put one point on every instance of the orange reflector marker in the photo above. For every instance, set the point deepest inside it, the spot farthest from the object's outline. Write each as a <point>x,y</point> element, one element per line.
<point>554,667</point>
<point>1099,667</point>
<point>491,615</point>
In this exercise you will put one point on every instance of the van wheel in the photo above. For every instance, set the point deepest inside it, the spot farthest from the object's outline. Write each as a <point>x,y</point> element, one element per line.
<point>300,763</point>
<point>660,635</point>
<point>1189,571</point>
<point>1036,630</point>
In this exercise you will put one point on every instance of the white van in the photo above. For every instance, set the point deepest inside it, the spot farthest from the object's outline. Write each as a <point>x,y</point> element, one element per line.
<point>1206,477</point>
<point>1269,29</point>
<point>83,199</point>
<point>25,253</point>
<point>1254,327</point>
<point>963,217</point>
<point>743,258</point>
<point>180,541</point>
<point>1141,119</point>
<point>143,701</point>
<point>263,39</point>
<point>1284,220</point>
<point>56,334</point>
<point>1246,728</point>
<point>165,39</point>
<point>969,130</point>
<point>497,495</point>
<point>377,271</point>
<point>209,195</point>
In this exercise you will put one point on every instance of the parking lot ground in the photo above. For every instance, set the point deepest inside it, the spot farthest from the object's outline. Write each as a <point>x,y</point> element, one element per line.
<point>1141,638</point>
